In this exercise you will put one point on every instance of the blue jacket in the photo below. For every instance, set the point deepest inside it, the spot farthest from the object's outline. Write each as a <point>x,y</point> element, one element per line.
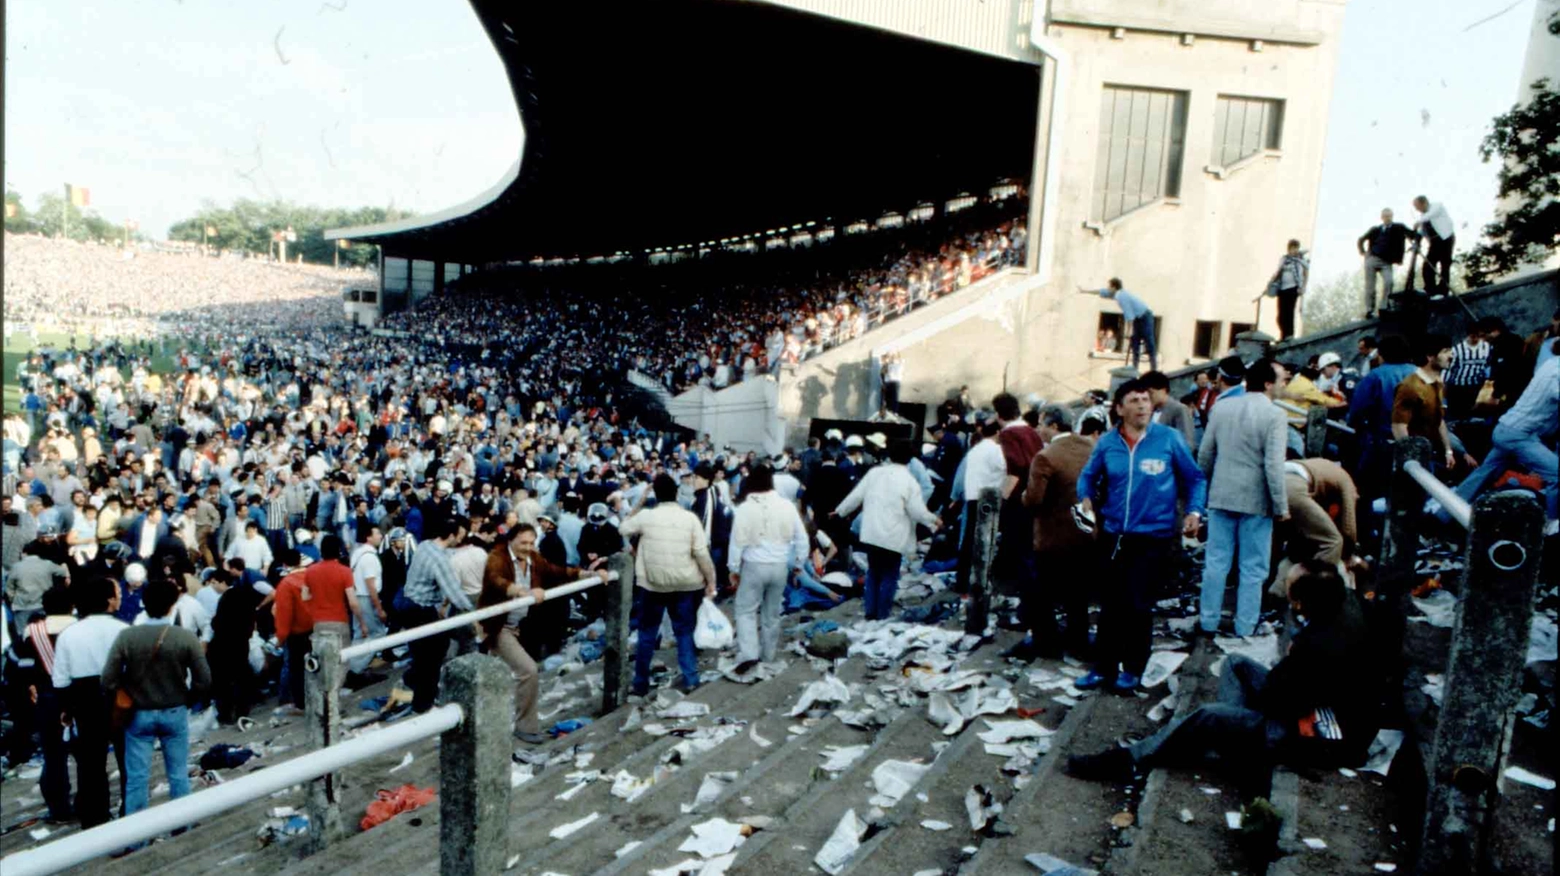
<point>1134,490</point>
<point>1370,408</point>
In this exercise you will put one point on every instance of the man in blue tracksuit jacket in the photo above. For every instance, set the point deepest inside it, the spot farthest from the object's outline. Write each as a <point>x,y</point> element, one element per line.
<point>1135,477</point>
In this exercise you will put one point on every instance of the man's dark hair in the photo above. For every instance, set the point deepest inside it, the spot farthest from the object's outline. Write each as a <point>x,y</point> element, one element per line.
<point>1319,591</point>
<point>1092,426</point>
<point>1431,346</point>
<point>520,529</point>
<point>331,547</point>
<point>760,480</point>
<point>1369,341</point>
<point>901,452</point>
<point>704,470</point>
<point>158,597</point>
<point>664,487</point>
<point>1260,373</point>
<point>989,429</point>
<point>1156,380</point>
<point>1114,283</point>
<point>1490,324</point>
<point>1394,350</point>
<point>1032,417</point>
<point>56,600</point>
<point>237,564</point>
<point>1124,390</point>
<point>1294,243</point>
<point>1056,417</point>
<point>92,595</point>
<point>249,524</point>
<point>1006,406</point>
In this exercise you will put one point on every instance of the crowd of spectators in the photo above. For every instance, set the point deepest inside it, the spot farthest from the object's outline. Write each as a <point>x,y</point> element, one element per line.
<point>729,316</point>
<point>65,286</point>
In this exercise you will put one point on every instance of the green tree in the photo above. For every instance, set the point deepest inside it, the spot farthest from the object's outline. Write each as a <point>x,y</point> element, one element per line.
<point>246,225</point>
<point>1527,229</point>
<point>1332,303</point>
<point>18,219</point>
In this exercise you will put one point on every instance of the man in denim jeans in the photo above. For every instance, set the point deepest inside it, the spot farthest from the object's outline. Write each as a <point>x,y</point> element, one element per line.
<point>161,666</point>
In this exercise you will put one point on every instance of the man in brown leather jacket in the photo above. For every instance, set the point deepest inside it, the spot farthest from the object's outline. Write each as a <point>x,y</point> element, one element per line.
<point>1064,553</point>
<point>516,569</point>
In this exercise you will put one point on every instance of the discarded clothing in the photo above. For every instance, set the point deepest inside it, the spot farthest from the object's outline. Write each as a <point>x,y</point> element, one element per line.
<point>224,756</point>
<point>389,804</point>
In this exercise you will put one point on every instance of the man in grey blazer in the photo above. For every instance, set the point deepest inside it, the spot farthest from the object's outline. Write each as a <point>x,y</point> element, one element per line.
<point>1242,454</point>
<point>1168,411</point>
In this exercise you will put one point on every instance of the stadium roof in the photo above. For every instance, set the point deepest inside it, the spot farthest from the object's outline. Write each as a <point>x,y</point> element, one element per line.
<point>654,124</point>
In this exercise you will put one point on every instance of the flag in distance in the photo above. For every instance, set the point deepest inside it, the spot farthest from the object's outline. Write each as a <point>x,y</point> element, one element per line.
<point>79,196</point>
<point>10,210</point>
<point>211,231</point>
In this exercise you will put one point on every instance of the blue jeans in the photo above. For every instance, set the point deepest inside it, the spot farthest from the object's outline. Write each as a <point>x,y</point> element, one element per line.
<point>172,726</point>
<point>882,581</point>
<point>683,606</point>
<point>1509,447</point>
<point>1143,336</point>
<point>1252,536</point>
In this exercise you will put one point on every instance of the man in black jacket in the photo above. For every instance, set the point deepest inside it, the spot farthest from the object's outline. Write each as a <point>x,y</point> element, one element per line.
<point>715,516</point>
<point>1382,246</point>
<point>1316,706</point>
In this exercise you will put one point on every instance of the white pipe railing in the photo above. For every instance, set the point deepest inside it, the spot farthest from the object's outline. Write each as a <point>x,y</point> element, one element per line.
<point>1454,504</point>
<point>456,621</point>
<point>1331,423</point>
<point>108,838</point>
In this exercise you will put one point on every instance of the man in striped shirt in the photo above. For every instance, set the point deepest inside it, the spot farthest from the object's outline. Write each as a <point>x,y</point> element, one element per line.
<point>1468,371</point>
<point>276,516</point>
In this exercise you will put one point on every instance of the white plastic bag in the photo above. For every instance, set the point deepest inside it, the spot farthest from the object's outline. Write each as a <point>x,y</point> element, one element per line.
<point>256,653</point>
<point>714,630</point>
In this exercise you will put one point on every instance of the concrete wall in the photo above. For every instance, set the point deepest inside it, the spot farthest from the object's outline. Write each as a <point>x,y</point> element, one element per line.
<point>965,338</point>
<point>1203,255</point>
<point>1526,303</point>
<point>744,417</point>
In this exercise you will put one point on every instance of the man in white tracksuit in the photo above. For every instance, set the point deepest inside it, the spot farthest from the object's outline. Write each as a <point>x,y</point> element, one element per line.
<point>891,507</point>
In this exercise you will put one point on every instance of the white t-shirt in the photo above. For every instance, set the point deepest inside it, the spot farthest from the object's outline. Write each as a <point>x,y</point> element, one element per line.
<point>365,568</point>
<point>984,467</point>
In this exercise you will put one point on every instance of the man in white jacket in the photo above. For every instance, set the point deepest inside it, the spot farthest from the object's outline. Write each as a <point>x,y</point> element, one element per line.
<point>768,539</point>
<point>891,507</point>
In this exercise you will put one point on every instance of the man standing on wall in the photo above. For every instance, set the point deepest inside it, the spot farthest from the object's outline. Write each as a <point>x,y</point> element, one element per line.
<point>1382,246</point>
<point>1135,312</point>
<point>1435,224</point>
<point>1288,284</point>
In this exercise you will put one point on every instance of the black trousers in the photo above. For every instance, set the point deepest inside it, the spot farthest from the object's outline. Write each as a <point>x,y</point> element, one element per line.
<point>1438,264</point>
<point>1287,299</point>
<point>232,678</point>
<point>1064,582</point>
<point>427,659</point>
<point>298,649</point>
<point>89,707</point>
<point>1131,564</point>
<point>891,395</point>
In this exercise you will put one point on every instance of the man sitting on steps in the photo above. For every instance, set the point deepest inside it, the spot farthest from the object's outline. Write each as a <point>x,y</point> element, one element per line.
<point>1314,707</point>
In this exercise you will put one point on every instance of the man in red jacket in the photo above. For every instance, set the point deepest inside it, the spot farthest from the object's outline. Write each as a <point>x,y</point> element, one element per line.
<point>332,595</point>
<point>292,609</point>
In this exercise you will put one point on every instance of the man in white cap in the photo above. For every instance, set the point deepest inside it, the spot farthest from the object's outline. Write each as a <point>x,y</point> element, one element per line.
<point>1331,365</point>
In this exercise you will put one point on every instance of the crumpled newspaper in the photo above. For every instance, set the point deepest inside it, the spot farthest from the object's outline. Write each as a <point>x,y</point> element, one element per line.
<point>841,845</point>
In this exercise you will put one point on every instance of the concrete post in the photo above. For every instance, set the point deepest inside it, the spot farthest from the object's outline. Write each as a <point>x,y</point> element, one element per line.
<point>1483,682</point>
<point>1253,345</point>
<point>982,558</point>
<point>1400,531</point>
<point>1315,431</point>
<point>474,767</point>
<point>322,683</point>
<point>617,666</point>
<point>1121,375</point>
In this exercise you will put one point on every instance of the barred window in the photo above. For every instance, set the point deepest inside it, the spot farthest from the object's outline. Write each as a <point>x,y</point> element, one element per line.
<point>1142,142</point>
<point>1244,126</point>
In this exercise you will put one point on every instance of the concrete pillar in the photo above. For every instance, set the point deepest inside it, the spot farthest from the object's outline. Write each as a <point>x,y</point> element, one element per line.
<point>982,558</point>
<point>1315,431</point>
<point>617,666</point>
<point>1483,682</point>
<point>322,707</point>
<point>1121,375</point>
<point>1253,345</point>
<point>474,767</point>
<point>1400,531</point>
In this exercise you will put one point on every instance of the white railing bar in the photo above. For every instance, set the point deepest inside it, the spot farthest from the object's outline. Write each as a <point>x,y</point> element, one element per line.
<point>108,838</point>
<point>456,621</point>
<point>1454,504</point>
<point>1331,423</point>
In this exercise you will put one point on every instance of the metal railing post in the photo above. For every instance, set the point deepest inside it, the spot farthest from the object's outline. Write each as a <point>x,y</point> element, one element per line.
<point>1483,682</point>
<point>616,668</point>
<point>474,767</point>
<point>322,699</point>
<point>982,557</point>
<point>1315,431</point>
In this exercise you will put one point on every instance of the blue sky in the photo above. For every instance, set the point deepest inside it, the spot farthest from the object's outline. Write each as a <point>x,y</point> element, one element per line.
<point>156,104</point>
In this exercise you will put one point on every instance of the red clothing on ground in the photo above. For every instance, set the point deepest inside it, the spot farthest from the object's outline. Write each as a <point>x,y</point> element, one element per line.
<point>329,582</point>
<point>292,612</point>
